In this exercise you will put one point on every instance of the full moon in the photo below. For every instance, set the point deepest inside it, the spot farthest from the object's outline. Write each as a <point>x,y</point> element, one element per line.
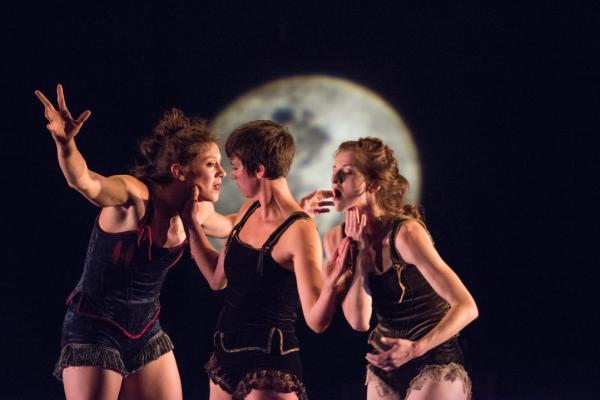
<point>320,112</point>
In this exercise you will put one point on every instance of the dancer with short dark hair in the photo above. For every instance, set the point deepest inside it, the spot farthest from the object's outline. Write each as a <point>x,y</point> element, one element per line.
<point>271,265</point>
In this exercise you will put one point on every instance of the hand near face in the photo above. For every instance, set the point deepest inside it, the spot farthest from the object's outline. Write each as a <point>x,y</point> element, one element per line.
<point>316,203</point>
<point>355,227</point>
<point>333,270</point>
<point>194,210</point>
<point>61,124</point>
<point>401,352</point>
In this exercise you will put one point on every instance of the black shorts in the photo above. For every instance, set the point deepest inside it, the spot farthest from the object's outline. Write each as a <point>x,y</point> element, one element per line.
<point>91,342</point>
<point>239,371</point>
<point>446,357</point>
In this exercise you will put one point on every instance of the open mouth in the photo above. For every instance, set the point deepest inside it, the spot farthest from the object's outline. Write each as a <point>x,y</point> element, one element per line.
<point>337,194</point>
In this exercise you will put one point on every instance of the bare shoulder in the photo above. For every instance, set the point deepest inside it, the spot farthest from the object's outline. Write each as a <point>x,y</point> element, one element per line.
<point>244,207</point>
<point>303,227</point>
<point>126,216</point>
<point>413,241</point>
<point>411,231</point>
<point>136,189</point>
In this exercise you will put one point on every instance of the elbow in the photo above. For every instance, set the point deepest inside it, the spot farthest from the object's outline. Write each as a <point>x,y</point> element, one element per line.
<point>359,321</point>
<point>75,185</point>
<point>216,286</point>
<point>473,311</point>
<point>360,326</point>
<point>317,328</point>
<point>468,310</point>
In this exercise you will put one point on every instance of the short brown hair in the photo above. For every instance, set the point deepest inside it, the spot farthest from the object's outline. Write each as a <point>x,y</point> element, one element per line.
<point>176,138</point>
<point>262,142</point>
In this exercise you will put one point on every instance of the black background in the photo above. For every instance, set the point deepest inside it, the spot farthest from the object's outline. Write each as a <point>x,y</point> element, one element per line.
<point>481,88</point>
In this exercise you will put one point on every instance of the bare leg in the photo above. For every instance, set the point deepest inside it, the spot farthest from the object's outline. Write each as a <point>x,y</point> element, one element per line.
<point>91,383</point>
<point>447,382</point>
<point>157,380</point>
<point>270,395</point>
<point>216,393</point>
<point>444,390</point>
<point>379,390</point>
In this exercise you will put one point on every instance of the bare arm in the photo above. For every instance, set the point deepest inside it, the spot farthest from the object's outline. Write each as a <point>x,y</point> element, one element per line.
<point>315,287</point>
<point>102,191</point>
<point>219,225</point>
<point>416,248</point>
<point>208,260</point>
<point>357,304</point>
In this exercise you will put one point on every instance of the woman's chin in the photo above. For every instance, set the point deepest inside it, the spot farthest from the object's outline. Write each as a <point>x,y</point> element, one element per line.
<point>212,197</point>
<point>340,205</point>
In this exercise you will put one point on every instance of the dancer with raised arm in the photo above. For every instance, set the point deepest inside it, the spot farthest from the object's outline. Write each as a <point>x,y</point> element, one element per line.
<point>112,342</point>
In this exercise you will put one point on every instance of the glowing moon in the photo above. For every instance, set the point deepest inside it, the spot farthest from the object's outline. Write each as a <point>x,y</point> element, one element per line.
<point>320,112</point>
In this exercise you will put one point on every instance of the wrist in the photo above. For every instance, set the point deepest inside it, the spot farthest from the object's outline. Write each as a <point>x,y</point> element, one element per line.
<point>64,146</point>
<point>328,288</point>
<point>419,348</point>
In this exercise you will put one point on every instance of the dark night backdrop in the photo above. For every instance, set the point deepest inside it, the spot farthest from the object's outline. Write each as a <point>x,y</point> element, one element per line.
<point>477,85</point>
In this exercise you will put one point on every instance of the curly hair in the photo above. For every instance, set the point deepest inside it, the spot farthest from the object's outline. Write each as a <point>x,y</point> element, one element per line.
<point>376,161</point>
<point>176,138</point>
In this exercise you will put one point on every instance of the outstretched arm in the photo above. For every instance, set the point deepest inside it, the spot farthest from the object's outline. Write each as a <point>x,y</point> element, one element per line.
<point>100,190</point>
<point>219,225</point>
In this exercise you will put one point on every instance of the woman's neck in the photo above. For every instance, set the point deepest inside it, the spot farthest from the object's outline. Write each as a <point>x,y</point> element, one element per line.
<point>275,198</point>
<point>168,200</point>
<point>378,220</point>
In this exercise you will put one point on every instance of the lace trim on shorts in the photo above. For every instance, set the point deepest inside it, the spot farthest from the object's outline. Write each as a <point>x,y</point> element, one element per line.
<point>97,355</point>
<point>82,354</point>
<point>437,373</point>
<point>265,379</point>
<point>156,347</point>
<point>216,374</point>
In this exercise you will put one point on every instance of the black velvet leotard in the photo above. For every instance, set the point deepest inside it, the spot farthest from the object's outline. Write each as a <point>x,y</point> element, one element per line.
<point>406,306</point>
<point>255,341</point>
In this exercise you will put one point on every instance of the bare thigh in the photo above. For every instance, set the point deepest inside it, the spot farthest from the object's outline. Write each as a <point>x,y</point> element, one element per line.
<point>439,390</point>
<point>91,383</point>
<point>216,393</point>
<point>441,382</point>
<point>270,395</point>
<point>157,380</point>
<point>379,390</point>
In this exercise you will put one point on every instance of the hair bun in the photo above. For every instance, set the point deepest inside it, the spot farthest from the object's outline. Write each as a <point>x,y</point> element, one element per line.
<point>172,121</point>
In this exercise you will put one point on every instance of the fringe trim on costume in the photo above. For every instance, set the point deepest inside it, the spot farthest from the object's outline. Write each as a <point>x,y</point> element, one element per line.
<point>278,381</point>
<point>437,373</point>
<point>216,374</point>
<point>95,355</point>
<point>157,346</point>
